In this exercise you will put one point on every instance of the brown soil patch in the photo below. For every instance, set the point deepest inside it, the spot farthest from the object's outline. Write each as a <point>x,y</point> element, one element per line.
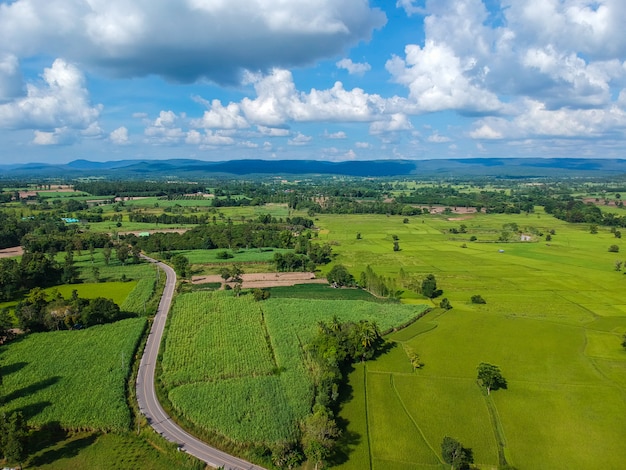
<point>261,280</point>
<point>159,230</point>
<point>11,252</point>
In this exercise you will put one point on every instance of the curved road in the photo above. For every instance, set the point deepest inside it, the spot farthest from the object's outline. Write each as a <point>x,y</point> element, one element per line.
<point>149,404</point>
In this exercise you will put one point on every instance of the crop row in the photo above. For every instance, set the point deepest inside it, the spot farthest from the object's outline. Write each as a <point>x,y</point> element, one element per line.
<point>213,335</point>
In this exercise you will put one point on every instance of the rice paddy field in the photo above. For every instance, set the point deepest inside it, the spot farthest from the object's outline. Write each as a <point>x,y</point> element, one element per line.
<point>553,323</point>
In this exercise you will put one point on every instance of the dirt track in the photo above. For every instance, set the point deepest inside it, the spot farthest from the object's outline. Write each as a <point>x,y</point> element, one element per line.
<point>11,252</point>
<point>261,280</point>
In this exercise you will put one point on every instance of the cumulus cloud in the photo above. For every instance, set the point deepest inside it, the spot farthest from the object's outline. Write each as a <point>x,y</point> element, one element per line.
<point>438,138</point>
<point>11,85</point>
<point>186,40</point>
<point>60,101</point>
<point>395,123</point>
<point>537,121</point>
<point>438,80</point>
<point>353,68</point>
<point>278,101</point>
<point>222,117</point>
<point>119,136</point>
<point>336,135</point>
<point>165,129</point>
<point>300,139</point>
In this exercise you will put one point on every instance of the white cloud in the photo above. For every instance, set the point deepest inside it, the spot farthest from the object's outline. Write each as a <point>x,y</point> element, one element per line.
<point>119,136</point>
<point>336,135</point>
<point>274,131</point>
<point>438,139</point>
<point>438,80</point>
<point>278,101</point>
<point>395,123</point>
<point>537,121</point>
<point>208,139</point>
<point>300,139</point>
<point>60,136</point>
<point>353,68</point>
<point>165,129</point>
<point>61,101</point>
<point>186,40</point>
<point>222,117</point>
<point>11,85</point>
<point>363,145</point>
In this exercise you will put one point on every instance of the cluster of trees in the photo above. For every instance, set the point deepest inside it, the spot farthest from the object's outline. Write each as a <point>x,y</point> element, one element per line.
<point>335,344</point>
<point>136,188</point>
<point>380,286</point>
<point>251,234</point>
<point>40,312</point>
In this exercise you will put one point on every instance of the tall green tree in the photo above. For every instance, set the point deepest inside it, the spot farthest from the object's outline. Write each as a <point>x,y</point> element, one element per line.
<point>319,434</point>
<point>490,377</point>
<point>454,454</point>
<point>429,287</point>
<point>13,437</point>
<point>181,265</point>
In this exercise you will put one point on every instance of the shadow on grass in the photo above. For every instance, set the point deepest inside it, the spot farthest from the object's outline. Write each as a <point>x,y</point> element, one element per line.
<point>32,410</point>
<point>348,440</point>
<point>30,389</point>
<point>11,368</point>
<point>68,449</point>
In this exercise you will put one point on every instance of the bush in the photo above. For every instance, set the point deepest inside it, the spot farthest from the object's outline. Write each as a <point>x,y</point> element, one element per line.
<point>445,304</point>
<point>260,294</point>
<point>224,255</point>
<point>478,299</point>
<point>614,249</point>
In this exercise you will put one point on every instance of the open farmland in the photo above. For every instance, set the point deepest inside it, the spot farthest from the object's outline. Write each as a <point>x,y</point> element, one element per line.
<point>74,378</point>
<point>553,322</point>
<point>235,367</point>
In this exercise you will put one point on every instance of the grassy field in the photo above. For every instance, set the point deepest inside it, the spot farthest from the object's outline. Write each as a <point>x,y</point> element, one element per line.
<point>553,320</point>
<point>235,367</point>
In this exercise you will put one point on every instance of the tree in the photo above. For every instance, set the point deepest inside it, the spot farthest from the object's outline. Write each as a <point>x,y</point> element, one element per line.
<point>14,432</point>
<point>340,276</point>
<point>122,252</point>
<point>478,299</point>
<point>490,377</point>
<point>445,304</point>
<point>429,287</point>
<point>181,265</point>
<point>396,246</point>
<point>260,294</point>
<point>455,454</point>
<point>106,253</point>
<point>624,341</point>
<point>319,434</point>
<point>614,249</point>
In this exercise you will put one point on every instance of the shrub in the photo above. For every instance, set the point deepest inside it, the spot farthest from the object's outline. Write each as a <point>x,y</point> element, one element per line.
<point>478,299</point>
<point>224,255</point>
<point>614,249</point>
<point>445,304</point>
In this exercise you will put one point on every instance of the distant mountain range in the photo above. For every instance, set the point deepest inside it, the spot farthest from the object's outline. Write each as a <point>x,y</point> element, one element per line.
<point>196,169</point>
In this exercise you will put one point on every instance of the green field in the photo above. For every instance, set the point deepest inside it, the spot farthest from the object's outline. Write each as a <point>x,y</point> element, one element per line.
<point>235,367</point>
<point>74,378</point>
<point>553,321</point>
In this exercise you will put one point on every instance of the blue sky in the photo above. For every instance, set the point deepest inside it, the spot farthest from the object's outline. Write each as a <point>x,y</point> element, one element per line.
<point>311,79</point>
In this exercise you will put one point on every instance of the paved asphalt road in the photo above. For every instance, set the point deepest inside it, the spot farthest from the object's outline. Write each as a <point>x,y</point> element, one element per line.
<point>149,404</point>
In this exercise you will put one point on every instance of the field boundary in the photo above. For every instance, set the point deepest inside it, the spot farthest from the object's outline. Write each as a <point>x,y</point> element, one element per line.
<point>410,416</point>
